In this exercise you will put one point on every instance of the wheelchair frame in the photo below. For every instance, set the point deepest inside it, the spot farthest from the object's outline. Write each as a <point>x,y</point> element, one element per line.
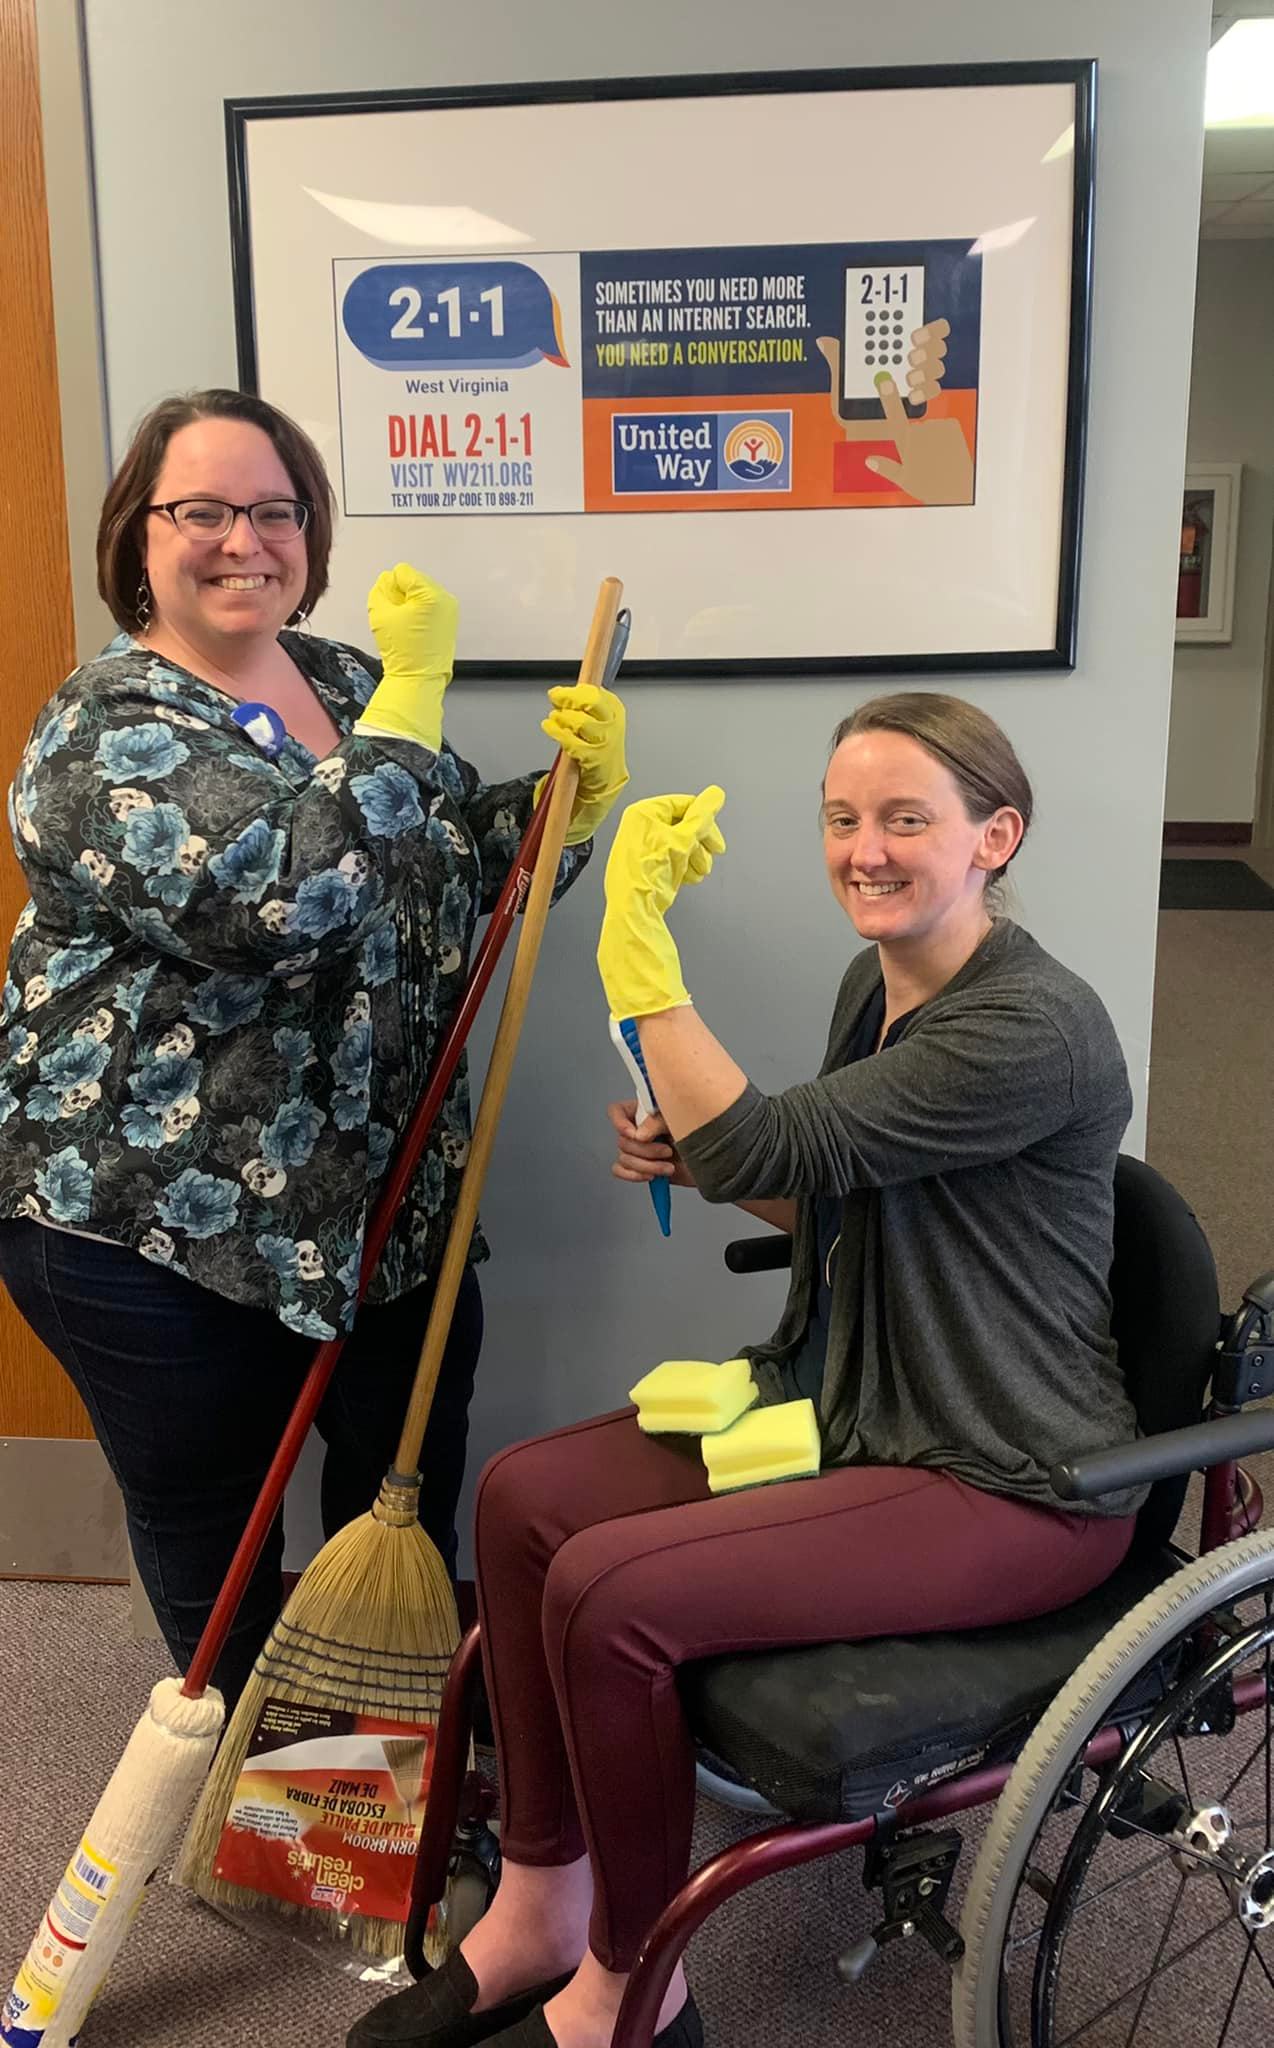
<point>1232,1505</point>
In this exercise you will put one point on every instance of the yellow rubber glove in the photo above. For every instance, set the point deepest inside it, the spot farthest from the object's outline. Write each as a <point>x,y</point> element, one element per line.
<point>413,620</point>
<point>661,844</point>
<point>587,722</point>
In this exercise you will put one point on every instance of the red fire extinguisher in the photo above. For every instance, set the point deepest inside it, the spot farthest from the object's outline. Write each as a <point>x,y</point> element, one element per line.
<point>1190,568</point>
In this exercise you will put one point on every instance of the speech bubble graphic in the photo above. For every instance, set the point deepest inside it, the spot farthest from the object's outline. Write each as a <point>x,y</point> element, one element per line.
<point>453,316</point>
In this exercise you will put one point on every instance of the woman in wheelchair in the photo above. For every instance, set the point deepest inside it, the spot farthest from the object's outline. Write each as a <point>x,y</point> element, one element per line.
<point>948,1181</point>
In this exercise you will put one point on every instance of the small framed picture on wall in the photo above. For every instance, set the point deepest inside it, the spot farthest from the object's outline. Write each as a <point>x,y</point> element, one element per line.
<point>1209,539</point>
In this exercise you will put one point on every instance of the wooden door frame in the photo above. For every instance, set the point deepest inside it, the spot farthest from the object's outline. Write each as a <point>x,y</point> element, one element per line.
<point>60,1513</point>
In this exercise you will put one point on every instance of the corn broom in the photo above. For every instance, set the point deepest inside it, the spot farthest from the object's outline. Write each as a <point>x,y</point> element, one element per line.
<point>371,1626</point>
<point>168,1753</point>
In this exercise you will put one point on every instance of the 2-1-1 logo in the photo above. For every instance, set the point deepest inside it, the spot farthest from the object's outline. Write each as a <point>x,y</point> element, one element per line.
<point>453,316</point>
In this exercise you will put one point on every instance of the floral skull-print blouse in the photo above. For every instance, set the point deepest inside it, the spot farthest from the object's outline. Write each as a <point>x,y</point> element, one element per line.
<point>227,989</point>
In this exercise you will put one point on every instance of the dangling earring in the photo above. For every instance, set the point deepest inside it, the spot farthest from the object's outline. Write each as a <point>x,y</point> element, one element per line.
<point>141,606</point>
<point>301,623</point>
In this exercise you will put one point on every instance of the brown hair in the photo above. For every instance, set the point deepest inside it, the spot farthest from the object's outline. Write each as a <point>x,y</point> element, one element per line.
<point>976,751</point>
<point>121,556</point>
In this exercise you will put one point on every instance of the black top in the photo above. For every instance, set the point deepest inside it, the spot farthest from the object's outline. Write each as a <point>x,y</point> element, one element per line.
<point>973,1163</point>
<point>803,1375</point>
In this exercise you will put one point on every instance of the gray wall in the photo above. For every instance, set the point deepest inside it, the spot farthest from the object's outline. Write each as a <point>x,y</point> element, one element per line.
<point>583,1294</point>
<point>1217,692</point>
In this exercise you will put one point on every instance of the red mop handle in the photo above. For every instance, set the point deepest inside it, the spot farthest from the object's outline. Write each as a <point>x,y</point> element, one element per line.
<point>314,1386</point>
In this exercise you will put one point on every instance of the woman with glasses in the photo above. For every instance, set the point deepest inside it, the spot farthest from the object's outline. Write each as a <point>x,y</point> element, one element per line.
<point>255,869</point>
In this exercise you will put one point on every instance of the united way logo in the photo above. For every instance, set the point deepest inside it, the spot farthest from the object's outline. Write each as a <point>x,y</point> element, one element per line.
<point>754,451</point>
<point>700,454</point>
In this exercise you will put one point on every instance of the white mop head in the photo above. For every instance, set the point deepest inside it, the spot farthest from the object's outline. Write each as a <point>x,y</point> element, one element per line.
<point>136,1819</point>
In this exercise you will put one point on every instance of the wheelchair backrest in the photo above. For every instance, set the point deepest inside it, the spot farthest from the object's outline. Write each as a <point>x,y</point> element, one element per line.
<point>1166,1315</point>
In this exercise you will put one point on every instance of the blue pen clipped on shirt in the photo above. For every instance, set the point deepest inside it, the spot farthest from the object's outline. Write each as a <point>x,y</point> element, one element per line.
<point>623,1031</point>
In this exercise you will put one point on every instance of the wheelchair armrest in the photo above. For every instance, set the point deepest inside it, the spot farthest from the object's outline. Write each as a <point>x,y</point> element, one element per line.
<point>1168,1456</point>
<point>767,1254</point>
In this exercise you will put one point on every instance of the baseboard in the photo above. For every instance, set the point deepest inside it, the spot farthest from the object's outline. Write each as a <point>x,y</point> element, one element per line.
<point>61,1516</point>
<point>1223,832</point>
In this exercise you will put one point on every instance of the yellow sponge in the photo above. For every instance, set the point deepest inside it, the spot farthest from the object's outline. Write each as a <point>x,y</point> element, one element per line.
<point>775,1443</point>
<point>688,1395</point>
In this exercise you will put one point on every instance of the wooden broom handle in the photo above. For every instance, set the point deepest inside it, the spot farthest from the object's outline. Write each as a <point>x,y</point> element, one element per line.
<point>455,1257</point>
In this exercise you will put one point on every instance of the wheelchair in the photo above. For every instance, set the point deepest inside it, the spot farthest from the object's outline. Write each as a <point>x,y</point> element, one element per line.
<point>1127,1740</point>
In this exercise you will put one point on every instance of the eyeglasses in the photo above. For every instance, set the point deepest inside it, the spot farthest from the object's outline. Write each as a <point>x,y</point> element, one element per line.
<point>212,519</point>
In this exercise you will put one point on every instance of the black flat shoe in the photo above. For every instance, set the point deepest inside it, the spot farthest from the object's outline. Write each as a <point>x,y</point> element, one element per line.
<point>438,2012</point>
<point>685,2031</point>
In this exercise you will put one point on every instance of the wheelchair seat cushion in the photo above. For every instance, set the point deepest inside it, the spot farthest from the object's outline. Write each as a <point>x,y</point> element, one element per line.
<point>841,1731</point>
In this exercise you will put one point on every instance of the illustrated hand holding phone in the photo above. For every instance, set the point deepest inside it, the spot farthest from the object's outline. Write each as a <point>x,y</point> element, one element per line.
<point>884,372</point>
<point>934,465</point>
<point>926,364</point>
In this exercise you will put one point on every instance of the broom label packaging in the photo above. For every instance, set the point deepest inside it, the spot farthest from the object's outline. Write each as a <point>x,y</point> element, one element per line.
<point>327,1810</point>
<point>51,1961</point>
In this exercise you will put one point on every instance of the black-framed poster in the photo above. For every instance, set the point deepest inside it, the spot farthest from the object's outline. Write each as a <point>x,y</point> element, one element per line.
<point>802,357</point>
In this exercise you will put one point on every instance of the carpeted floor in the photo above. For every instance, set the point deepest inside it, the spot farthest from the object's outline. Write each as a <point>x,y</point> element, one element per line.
<point>763,1970</point>
<point>1212,1078</point>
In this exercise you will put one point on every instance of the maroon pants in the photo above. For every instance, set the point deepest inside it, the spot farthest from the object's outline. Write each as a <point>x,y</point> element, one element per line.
<point>604,1563</point>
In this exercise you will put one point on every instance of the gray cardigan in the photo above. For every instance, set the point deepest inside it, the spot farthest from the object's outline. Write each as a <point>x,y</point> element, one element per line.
<point>970,1314</point>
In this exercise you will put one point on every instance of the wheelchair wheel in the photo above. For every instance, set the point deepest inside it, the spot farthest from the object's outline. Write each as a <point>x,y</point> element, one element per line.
<point>472,1877</point>
<point>468,1896</point>
<point>1164,1852</point>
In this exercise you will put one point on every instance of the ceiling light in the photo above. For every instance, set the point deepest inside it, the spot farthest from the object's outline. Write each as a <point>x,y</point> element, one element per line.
<point>1241,77</point>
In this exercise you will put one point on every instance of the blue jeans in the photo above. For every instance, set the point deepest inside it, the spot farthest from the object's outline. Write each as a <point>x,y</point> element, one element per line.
<point>189,1394</point>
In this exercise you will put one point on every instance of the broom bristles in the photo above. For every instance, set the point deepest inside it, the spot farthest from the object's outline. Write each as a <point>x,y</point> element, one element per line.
<point>405,1756</point>
<point>371,1628</point>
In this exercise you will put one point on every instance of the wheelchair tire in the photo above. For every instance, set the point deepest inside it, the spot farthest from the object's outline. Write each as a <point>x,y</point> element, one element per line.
<point>469,1892</point>
<point>1046,1769</point>
<point>468,1896</point>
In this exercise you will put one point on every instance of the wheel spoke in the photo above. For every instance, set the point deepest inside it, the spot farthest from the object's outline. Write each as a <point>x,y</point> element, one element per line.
<point>1190,1949</point>
<point>1263,1745</point>
<point>1269,1974</point>
<point>1269,1745</point>
<point>1185,1775</point>
<point>1234,1996</point>
<point>1089,1898</point>
<point>1248,1937</point>
<point>1171,1846</point>
<point>1158,1958</point>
